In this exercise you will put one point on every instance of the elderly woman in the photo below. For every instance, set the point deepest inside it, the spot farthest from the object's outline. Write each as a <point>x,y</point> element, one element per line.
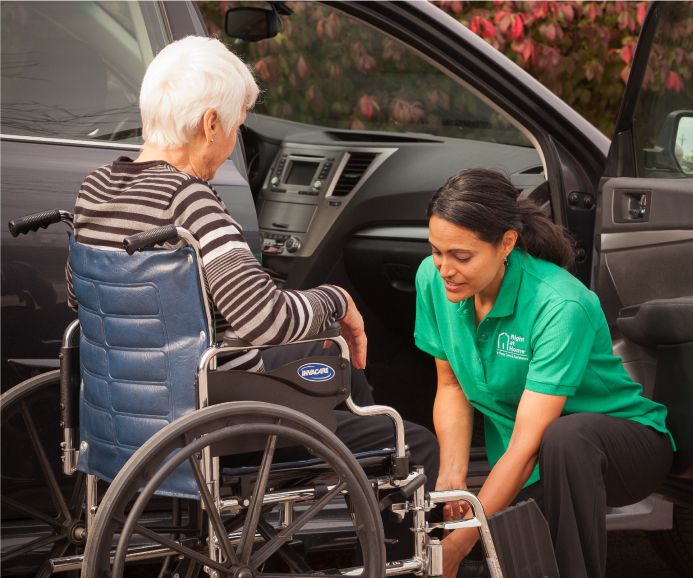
<point>194,97</point>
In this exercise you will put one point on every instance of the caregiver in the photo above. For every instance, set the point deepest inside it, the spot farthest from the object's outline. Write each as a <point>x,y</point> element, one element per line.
<point>518,338</point>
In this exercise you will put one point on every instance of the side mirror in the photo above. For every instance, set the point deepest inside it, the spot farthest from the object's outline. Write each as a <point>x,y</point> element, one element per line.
<point>251,24</point>
<point>683,143</point>
<point>674,148</point>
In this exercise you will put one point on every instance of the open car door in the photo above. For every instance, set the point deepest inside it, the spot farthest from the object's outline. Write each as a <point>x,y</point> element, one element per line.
<point>644,244</point>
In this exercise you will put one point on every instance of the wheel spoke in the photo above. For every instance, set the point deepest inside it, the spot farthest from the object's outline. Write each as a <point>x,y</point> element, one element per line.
<point>45,464</point>
<point>176,546</point>
<point>34,544</point>
<point>284,535</point>
<point>77,498</point>
<point>213,513</point>
<point>291,558</point>
<point>255,509</point>
<point>12,503</point>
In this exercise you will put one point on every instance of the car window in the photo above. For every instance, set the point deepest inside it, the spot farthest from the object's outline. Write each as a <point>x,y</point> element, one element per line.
<point>666,94</point>
<point>72,70</point>
<point>325,68</point>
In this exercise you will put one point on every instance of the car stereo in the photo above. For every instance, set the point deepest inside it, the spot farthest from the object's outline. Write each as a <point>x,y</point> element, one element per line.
<point>300,174</point>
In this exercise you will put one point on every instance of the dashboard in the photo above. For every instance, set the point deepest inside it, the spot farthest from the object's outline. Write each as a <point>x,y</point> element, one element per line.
<point>306,190</point>
<point>316,186</point>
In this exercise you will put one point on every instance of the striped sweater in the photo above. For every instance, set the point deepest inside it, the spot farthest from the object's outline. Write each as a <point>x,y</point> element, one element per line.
<point>125,198</point>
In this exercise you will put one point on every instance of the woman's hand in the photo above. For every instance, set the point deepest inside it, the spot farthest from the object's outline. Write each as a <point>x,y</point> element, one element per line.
<point>354,332</point>
<point>456,547</point>
<point>448,481</point>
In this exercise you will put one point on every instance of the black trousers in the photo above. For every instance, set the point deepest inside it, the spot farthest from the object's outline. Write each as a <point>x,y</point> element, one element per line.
<point>587,462</point>
<point>372,433</point>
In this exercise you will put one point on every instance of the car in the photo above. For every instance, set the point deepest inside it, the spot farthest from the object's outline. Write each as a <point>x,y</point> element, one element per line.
<point>359,123</point>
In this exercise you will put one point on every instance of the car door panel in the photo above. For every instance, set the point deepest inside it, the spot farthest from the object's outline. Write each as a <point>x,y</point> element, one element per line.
<point>644,248</point>
<point>644,256</point>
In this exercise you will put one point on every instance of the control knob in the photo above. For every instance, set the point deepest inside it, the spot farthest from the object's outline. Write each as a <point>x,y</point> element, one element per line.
<point>274,180</point>
<point>292,244</point>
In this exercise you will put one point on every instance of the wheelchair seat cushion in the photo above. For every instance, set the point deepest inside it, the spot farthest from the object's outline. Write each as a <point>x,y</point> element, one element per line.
<point>143,329</point>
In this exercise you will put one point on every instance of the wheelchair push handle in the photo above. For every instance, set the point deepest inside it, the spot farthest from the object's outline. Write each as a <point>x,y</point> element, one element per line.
<point>34,221</point>
<point>157,236</point>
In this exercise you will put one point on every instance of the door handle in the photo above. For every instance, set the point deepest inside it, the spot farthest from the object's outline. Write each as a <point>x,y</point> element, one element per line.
<point>401,277</point>
<point>632,206</point>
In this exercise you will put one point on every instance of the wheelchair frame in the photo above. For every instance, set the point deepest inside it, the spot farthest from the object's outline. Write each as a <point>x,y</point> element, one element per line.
<point>409,493</point>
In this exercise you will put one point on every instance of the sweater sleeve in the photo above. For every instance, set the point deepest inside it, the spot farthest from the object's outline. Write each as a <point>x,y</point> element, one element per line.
<point>255,308</point>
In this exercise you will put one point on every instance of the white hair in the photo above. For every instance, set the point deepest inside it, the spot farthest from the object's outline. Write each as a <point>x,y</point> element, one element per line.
<point>185,79</point>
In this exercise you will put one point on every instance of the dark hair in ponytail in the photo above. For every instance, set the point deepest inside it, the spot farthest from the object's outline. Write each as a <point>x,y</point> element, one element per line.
<point>486,202</point>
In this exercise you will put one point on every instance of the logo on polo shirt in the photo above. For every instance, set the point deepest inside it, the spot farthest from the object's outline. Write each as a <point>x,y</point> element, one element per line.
<point>512,346</point>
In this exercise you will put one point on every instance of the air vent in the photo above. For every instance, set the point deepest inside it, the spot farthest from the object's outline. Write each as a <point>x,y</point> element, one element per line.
<point>356,166</point>
<point>379,137</point>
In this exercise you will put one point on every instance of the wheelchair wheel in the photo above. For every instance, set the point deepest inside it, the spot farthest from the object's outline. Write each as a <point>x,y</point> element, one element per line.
<point>250,545</point>
<point>42,509</point>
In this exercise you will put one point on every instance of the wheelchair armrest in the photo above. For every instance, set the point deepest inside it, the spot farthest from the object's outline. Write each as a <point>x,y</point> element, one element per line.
<point>230,339</point>
<point>333,330</point>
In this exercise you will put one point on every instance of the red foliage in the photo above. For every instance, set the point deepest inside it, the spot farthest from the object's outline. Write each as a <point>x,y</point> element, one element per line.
<point>575,48</point>
<point>641,11</point>
<point>302,67</point>
<point>627,54</point>
<point>674,82</point>
<point>367,106</point>
<point>518,27</point>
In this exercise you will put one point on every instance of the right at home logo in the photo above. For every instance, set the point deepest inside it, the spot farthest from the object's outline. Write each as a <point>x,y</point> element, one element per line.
<point>512,346</point>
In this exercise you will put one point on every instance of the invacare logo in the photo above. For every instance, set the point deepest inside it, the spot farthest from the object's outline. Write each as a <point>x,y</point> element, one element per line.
<point>316,372</point>
<point>512,346</point>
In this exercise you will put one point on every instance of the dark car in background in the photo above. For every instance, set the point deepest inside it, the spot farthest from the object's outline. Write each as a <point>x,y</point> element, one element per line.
<point>334,171</point>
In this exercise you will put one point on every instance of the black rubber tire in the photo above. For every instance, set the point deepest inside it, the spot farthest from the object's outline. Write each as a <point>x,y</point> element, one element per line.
<point>675,546</point>
<point>186,437</point>
<point>36,400</point>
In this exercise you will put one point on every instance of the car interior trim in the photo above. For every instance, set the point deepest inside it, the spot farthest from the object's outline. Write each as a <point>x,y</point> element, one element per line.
<point>408,233</point>
<point>60,141</point>
<point>616,241</point>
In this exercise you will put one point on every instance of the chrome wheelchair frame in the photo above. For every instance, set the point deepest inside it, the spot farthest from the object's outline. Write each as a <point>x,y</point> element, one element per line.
<point>208,426</point>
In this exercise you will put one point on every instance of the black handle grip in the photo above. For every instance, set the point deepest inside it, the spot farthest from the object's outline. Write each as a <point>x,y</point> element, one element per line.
<point>402,493</point>
<point>69,386</point>
<point>32,222</point>
<point>150,238</point>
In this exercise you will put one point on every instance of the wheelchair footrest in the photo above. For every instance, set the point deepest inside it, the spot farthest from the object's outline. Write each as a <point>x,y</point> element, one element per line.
<point>523,542</point>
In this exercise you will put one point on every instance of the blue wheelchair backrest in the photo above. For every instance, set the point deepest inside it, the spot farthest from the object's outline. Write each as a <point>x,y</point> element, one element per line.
<point>143,329</point>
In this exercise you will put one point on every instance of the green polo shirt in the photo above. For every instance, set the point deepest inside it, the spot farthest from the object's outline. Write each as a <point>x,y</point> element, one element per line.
<point>546,333</point>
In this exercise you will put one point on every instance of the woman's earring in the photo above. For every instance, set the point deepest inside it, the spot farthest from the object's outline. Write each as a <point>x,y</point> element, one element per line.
<point>211,140</point>
<point>505,261</point>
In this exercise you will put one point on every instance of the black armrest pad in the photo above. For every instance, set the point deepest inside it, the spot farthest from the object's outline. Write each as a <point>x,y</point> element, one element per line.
<point>232,340</point>
<point>658,322</point>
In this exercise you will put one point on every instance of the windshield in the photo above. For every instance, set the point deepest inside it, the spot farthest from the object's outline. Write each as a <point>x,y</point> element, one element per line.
<point>328,69</point>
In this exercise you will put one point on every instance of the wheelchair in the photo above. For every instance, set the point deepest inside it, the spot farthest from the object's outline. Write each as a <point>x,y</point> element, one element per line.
<point>213,472</point>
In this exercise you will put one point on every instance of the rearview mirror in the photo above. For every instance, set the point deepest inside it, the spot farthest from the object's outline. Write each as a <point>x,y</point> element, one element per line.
<point>251,24</point>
